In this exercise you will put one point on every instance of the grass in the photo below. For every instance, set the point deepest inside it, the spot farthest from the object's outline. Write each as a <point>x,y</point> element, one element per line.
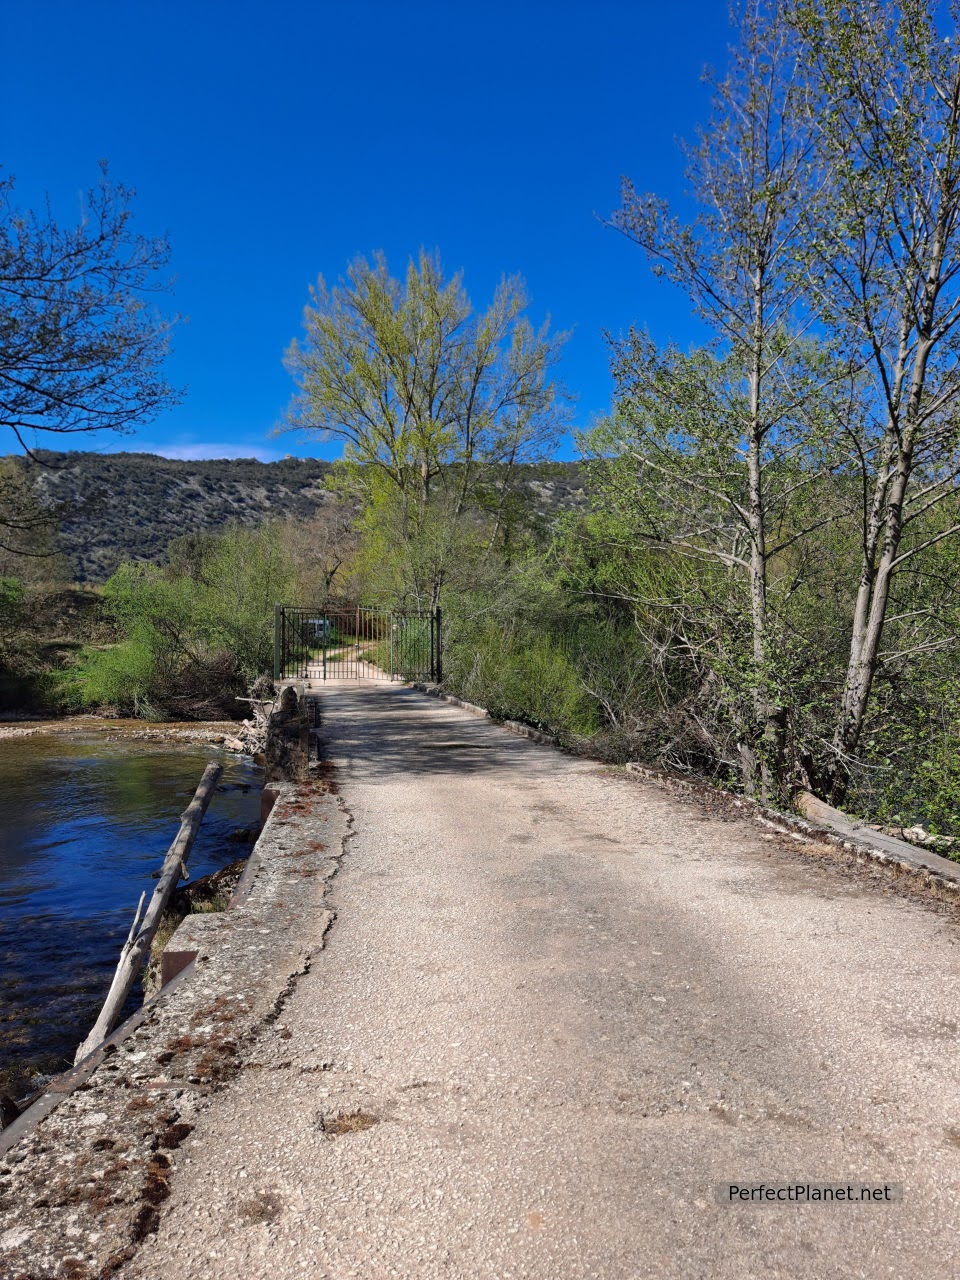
<point>348,1122</point>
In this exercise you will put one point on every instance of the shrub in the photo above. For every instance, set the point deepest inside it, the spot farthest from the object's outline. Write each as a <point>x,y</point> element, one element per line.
<point>192,635</point>
<point>121,678</point>
<point>521,675</point>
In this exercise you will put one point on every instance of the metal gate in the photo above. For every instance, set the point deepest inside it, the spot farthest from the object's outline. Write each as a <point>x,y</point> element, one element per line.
<point>342,642</point>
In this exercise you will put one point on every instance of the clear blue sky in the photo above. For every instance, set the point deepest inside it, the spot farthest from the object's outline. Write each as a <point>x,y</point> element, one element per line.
<point>274,143</point>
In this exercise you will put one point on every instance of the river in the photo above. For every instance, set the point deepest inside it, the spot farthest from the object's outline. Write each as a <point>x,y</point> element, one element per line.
<point>84,823</point>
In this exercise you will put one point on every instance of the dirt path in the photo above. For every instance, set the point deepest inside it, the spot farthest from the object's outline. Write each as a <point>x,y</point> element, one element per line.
<point>557,1008</point>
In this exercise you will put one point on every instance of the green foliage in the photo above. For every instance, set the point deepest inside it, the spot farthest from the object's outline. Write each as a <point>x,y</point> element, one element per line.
<point>436,406</point>
<point>192,635</point>
<point>12,595</point>
<point>122,677</point>
<point>412,380</point>
<point>518,673</point>
<point>244,575</point>
<point>920,778</point>
<point>404,554</point>
<point>620,638</point>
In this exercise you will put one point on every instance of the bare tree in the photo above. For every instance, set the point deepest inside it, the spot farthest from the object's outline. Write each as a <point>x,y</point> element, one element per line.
<point>321,547</point>
<point>79,348</point>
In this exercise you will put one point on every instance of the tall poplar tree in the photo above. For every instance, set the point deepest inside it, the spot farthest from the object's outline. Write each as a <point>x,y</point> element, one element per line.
<point>714,432</point>
<point>435,403</point>
<point>883,274</point>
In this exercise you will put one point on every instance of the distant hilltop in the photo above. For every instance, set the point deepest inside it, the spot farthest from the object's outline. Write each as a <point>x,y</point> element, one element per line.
<point>130,506</point>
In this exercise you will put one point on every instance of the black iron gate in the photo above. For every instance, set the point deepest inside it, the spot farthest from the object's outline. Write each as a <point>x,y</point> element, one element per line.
<point>337,642</point>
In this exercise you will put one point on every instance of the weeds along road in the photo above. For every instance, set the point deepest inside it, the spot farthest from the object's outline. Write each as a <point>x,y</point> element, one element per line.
<point>556,1010</point>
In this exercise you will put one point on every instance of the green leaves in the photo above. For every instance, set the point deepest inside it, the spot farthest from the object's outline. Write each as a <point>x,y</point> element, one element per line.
<point>440,403</point>
<point>413,380</point>
<point>190,636</point>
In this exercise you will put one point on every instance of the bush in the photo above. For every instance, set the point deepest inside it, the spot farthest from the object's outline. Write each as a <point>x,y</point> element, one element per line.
<point>521,675</point>
<point>911,768</point>
<point>192,636</point>
<point>121,678</point>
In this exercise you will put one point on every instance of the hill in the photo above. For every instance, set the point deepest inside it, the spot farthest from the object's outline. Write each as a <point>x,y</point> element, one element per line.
<point>130,506</point>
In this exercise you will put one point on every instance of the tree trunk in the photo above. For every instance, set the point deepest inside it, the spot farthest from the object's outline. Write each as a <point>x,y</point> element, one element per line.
<point>890,495</point>
<point>762,767</point>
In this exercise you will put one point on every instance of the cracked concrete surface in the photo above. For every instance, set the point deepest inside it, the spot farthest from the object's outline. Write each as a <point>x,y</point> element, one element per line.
<point>556,1009</point>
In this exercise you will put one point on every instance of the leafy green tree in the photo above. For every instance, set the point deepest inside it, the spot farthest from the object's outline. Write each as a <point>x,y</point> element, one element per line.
<point>716,430</point>
<point>246,572</point>
<point>830,196</point>
<point>883,272</point>
<point>436,405</point>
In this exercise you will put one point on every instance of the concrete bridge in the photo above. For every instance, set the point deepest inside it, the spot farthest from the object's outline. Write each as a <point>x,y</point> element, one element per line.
<point>559,1012</point>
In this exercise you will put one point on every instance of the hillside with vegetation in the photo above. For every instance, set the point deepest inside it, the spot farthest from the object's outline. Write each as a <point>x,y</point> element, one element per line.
<point>115,507</point>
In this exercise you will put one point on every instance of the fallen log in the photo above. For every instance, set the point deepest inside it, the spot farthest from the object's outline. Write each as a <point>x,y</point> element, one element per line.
<point>135,950</point>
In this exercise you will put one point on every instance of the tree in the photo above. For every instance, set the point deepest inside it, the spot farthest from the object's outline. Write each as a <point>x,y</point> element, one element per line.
<point>79,349</point>
<point>322,547</point>
<point>883,272</point>
<point>436,405</point>
<point>722,432</point>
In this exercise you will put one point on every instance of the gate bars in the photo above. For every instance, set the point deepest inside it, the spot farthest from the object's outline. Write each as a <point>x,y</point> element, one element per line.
<point>337,642</point>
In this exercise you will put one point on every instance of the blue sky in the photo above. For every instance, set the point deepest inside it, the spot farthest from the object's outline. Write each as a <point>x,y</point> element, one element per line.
<point>272,144</point>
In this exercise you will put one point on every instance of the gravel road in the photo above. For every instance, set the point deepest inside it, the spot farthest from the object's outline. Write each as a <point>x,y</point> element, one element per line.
<point>557,1009</point>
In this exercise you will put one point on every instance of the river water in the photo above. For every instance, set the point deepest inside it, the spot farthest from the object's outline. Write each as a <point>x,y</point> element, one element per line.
<point>84,824</point>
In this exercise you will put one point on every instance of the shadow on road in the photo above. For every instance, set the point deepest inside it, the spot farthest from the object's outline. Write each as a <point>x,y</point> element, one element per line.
<point>389,730</point>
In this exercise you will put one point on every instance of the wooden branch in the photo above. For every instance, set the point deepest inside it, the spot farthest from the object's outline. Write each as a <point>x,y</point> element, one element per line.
<point>922,546</point>
<point>137,947</point>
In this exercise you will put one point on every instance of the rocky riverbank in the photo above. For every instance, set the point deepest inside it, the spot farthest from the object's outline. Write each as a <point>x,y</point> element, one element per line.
<point>244,737</point>
<point>205,731</point>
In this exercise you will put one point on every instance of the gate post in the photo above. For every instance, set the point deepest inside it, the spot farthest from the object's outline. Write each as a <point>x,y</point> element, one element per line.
<point>437,672</point>
<point>277,625</point>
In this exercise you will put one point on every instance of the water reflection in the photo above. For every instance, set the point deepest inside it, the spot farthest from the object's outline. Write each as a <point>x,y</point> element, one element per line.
<point>85,823</point>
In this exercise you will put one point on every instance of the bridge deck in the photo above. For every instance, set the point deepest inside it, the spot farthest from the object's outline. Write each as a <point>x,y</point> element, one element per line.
<point>557,1008</point>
